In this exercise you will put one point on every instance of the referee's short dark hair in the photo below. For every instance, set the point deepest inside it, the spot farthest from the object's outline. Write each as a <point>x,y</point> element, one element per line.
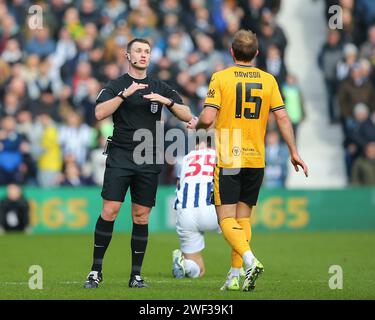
<point>130,43</point>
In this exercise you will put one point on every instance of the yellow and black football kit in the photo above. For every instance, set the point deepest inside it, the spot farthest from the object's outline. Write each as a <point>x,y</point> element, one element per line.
<point>244,96</point>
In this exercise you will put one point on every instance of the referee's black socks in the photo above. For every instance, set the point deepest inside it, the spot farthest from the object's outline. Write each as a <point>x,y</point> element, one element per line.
<point>103,236</point>
<point>138,247</point>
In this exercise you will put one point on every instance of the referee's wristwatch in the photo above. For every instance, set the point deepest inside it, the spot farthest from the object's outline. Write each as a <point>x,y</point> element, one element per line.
<point>121,95</point>
<point>171,104</point>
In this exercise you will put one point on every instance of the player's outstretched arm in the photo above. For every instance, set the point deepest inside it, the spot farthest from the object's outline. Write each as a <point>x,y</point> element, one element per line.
<point>206,119</point>
<point>287,133</point>
<point>182,112</point>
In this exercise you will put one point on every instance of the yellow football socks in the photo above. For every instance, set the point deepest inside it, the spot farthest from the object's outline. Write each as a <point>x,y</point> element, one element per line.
<point>236,258</point>
<point>235,235</point>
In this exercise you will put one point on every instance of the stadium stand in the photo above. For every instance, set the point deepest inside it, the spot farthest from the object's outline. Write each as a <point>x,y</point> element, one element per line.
<point>50,77</point>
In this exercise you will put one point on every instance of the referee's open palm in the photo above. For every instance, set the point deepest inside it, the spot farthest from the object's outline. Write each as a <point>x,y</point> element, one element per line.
<point>134,87</point>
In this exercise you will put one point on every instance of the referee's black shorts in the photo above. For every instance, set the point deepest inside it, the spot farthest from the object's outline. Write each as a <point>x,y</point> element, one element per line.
<point>234,185</point>
<point>122,173</point>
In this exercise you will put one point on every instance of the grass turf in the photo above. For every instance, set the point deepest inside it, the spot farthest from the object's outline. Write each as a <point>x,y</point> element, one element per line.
<point>296,267</point>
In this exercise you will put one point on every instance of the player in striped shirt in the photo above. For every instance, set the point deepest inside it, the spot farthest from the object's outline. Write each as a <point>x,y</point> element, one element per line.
<point>194,212</point>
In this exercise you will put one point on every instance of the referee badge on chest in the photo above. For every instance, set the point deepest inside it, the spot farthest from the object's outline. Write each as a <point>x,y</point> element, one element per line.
<point>154,106</point>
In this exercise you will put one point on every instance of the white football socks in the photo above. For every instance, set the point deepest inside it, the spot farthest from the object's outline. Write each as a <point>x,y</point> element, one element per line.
<point>235,272</point>
<point>192,269</point>
<point>248,257</point>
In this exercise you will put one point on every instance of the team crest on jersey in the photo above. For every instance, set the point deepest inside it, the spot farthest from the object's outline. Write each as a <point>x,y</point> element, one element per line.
<point>236,151</point>
<point>154,107</point>
<point>211,93</point>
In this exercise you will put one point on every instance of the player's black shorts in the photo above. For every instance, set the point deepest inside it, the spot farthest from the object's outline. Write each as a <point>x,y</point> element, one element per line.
<point>141,179</point>
<point>234,185</point>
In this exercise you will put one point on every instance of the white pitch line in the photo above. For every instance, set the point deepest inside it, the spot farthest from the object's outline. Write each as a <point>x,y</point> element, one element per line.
<point>13,283</point>
<point>184,282</point>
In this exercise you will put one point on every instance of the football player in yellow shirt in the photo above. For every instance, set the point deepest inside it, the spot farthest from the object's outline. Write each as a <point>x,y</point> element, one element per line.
<point>238,101</point>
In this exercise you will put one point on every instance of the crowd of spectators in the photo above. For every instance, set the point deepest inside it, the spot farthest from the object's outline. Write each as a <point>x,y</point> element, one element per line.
<point>50,77</point>
<point>347,61</point>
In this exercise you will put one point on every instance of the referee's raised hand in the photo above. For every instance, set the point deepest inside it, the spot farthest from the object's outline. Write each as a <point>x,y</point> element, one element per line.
<point>134,87</point>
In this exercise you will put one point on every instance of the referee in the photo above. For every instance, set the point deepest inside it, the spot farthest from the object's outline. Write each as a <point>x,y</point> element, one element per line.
<point>135,101</point>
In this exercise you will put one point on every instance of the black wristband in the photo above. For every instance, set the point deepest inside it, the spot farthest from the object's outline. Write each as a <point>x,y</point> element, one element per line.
<point>120,94</point>
<point>171,104</point>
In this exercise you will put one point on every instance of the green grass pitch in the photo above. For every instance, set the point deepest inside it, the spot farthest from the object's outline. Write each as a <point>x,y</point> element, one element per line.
<point>296,267</point>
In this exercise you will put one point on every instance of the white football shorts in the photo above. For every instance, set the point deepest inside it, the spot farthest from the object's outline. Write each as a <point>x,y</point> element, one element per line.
<point>191,223</point>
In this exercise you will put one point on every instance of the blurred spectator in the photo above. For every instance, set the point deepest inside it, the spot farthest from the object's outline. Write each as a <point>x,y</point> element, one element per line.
<point>97,161</point>
<point>277,155</point>
<point>208,56</point>
<point>363,130</point>
<point>18,10</point>
<point>175,51</point>
<point>114,11</point>
<point>348,31</point>
<point>87,106</point>
<point>4,75</point>
<point>366,11</point>
<point>11,105</point>
<point>49,153</point>
<point>75,138</point>
<point>12,52</point>
<point>170,7</point>
<point>47,103</point>
<point>25,125</point>
<point>14,210</point>
<point>18,86</point>
<point>66,48</point>
<point>360,131</point>
<point>293,101</point>
<point>356,89</point>
<point>41,43</point>
<point>73,24</point>
<point>57,10</point>
<point>55,72</point>
<point>9,29</point>
<point>328,59</point>
<point>10,151</point>
<point>252,15</point>
<point>275,64</point>
<point>44,81</point>
<point>345,64</point>
<point>88,12</point>
<point>226,13</point>
<point>363,173</point>
<point>270,34</point>
<point>170,24</point>
<point>368,48</point>
<point>165,70</point>
<point>197,18</point>
<point>142,22</point>
<point>72,176</point>
<point>30,68</point>
<point>81,80</point>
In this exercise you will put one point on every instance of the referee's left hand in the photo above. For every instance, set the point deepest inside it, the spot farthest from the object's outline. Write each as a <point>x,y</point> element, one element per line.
<point>157,97</point>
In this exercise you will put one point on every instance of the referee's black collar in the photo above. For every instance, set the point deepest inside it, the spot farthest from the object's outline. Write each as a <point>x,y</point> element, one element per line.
<point>136,79</point>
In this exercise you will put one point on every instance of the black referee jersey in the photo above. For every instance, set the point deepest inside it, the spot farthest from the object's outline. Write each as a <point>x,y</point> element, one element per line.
<point>134,113</point>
